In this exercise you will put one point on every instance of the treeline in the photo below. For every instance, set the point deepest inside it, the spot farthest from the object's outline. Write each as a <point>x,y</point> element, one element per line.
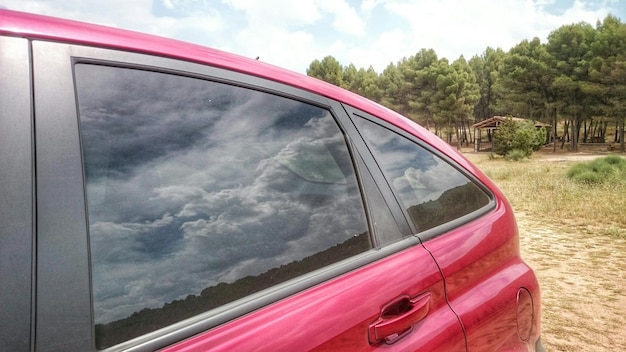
<point>576,80</point>
<point>151,319</point>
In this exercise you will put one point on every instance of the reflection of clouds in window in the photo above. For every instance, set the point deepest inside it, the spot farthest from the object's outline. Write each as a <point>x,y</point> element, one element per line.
<point>431,190</point>
<point>184,110</point>
<point>416,174</point>
<point>193,183</point>
<point>427,184</point>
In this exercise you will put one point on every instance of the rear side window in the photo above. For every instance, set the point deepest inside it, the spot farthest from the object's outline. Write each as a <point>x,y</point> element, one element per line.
<point>431,190</point>
<point>201,193</point>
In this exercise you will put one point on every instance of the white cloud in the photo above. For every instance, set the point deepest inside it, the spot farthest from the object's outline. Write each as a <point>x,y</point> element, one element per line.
<point>468,27</point>
<point>292,34</point>
<point>347,20</point>
<point>388,47</point>
<point>168,4</point>
<point>277,13</point>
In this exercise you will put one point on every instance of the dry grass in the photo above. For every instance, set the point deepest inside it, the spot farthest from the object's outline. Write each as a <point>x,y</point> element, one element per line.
<point>574,237</point>
<point>540,188</point>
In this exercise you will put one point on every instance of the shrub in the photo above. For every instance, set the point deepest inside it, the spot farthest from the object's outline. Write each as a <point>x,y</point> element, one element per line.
<point>614,231</point>
<point>615,160</point>
<point>602,170</point>
<point>516,155</point>
<point>589,177</point>
<point>521,136</point>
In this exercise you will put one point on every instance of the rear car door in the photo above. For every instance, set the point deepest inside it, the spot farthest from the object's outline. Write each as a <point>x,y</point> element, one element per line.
<point>186,207</point>
<point>469,227</point>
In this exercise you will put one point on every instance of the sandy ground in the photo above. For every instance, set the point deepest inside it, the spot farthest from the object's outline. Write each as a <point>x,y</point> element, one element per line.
<point>582,273</point>
<point>583,286</point>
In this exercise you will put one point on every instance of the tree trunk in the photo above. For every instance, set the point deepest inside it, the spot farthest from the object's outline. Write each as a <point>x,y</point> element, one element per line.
<point>575,134</point>
<point>554,129</point>
<point>565,133</point>
<point>593,129</point>
<point>621,134</point>
<point>458,136</point>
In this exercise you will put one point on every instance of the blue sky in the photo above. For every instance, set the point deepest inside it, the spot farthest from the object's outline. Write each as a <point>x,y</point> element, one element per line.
<point>292,34</point>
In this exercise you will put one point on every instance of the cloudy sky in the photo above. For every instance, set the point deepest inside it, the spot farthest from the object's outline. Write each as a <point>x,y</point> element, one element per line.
<point>292,34</point>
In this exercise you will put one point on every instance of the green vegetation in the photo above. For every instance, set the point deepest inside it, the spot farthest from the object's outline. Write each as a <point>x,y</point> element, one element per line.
<point>517,140</point>
<point>516,155</point>
<point>543,191</point>
<point>577,80</point>
<point>610,169</point>
<point>613,231</point>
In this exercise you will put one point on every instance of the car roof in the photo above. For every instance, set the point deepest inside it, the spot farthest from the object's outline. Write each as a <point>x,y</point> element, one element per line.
<point>32,26</point>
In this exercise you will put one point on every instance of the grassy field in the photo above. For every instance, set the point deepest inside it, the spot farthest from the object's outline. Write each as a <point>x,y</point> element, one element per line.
<point>574,236</point>
<point>540,188</point>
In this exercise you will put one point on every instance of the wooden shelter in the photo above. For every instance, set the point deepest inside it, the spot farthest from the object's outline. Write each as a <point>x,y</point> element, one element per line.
<point>493,123</point>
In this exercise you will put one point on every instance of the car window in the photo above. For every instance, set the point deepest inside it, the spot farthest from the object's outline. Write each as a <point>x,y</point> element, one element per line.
<point>200,193</point>
<point>431,190</point>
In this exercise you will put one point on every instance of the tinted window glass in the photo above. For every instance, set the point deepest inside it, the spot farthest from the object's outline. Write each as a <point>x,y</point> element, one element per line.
<point>383,223</point>
<point>432,191</point>
<point>201,193</point>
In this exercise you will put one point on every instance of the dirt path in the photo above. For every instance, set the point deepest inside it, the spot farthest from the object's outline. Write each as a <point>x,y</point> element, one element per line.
<point>582,274</point>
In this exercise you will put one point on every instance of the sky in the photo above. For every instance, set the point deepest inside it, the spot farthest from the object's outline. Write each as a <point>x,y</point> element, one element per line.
<point>292,34</point>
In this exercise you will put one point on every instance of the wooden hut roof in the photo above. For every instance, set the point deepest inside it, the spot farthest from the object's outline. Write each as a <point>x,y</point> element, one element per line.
<point>495,121</point>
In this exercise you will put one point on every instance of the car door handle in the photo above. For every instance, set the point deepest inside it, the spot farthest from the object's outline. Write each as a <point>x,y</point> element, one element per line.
<point>398,317</point>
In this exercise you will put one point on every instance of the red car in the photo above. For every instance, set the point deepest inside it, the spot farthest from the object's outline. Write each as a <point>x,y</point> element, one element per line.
<point>161,195</point>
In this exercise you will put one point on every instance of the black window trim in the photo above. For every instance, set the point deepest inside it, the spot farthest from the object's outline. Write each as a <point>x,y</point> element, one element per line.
<point>376,173</point>
<point>440,229</point>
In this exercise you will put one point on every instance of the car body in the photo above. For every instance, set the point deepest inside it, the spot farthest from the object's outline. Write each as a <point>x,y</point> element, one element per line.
<point>161,195</point>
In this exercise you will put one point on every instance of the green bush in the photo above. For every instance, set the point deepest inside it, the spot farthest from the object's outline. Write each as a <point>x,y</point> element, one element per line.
<point>602,170</point>
<point>516,155</point>
<point>615,160</point>
<point>589,177</point>
<point>521,136</point>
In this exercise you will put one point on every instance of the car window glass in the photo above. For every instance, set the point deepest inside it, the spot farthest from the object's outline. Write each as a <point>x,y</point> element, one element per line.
<point>200,193</point>
<point>383,223</point>
<point>431,190</point>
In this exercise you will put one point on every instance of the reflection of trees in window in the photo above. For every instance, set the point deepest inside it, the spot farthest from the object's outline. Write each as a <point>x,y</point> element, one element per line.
<point>452,204</point>
<point>147,320</point>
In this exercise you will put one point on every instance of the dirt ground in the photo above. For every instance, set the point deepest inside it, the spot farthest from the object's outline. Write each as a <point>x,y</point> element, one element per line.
<point>582,273</point>
<point>583,286</point>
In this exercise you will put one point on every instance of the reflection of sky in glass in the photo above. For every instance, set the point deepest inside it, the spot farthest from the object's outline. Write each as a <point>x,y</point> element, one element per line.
<point>191,183</point>
<point>416,174</point>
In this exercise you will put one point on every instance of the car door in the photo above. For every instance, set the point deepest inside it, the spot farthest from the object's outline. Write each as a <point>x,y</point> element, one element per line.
<point>466,223</point>
<point>185,207</point>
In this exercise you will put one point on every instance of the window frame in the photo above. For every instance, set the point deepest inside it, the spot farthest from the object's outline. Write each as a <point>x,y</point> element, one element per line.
<point>445,227</point>
<point>65,302</point>
<point>17,190</point>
